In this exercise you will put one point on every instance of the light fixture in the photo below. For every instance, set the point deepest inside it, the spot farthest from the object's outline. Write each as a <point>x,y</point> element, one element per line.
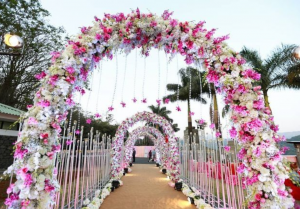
<point>13,41</point>
<point>297,53</point>
<point>178,186</point>
<point>191,200</point>
<point>164,171</point>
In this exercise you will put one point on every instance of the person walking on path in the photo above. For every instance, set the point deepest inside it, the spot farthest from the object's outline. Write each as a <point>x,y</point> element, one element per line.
<point>150,155</point>
<point>153,155</point>
<point>133,155</point>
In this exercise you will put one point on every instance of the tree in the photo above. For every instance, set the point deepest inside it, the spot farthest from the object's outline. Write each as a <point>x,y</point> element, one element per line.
<point>164,112</point>
<point>104,127</point>
<point>279,70</point>
<point>184,90</point>
<point>26,19</point>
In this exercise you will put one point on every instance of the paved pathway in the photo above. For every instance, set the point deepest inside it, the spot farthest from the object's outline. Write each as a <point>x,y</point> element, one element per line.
<point>146,188</point>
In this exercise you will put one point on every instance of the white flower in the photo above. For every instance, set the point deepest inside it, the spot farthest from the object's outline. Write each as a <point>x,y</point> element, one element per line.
<point>86,201</point>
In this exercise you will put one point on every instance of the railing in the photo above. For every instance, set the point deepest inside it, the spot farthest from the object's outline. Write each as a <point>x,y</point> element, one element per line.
<point>210,169</point>
<point>83,166</point>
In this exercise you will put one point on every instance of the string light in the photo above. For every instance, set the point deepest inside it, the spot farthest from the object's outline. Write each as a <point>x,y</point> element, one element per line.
<point>143,89</point>
<point>200,79</point>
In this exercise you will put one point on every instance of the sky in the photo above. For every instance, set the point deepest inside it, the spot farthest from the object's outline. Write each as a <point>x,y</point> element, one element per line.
<point>260,25</point>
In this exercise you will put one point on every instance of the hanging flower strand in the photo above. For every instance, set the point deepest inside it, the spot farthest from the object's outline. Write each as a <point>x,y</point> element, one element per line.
<point>144,100</point>
<point>134,81</point>
<point>123,86</point>
<point>115,88</point>
<point>177,107</point>
<point>158,101</point>
<point>167,100</point>
<point>97,115</point>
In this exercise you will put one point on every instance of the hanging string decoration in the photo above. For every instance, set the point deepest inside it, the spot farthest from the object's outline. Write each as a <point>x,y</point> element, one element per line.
<point>144,100</point>
<point>190,92</point>
<point>97,115</point>
<point>167,100</point>
<point>123,86</point>
<point>134,80</point>
<point>177,107</point>
<point>89,120</point>
<point>115,88</point>
<point>158,101</point>
<point>78,112</point>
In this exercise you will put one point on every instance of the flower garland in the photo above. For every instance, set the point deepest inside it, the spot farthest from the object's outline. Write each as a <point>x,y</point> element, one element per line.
<point>100,195</point>
<point>153,118</point>
<point>144,131</point>
<point>196,196</point>
<point>253,125</point>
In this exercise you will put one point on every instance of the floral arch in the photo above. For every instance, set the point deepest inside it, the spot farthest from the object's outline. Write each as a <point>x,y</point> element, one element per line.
<point>117,143</point>
<point>157,138</point>
<point>252,123</point>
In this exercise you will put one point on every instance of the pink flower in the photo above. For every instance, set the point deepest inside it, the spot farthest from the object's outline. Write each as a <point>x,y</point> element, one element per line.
<point>32,121</point>
<point>68,142</point>
<point>77,132</point>
<point>192,113</point>
<point>167,101</point>
<point>166,14</point>
<point>123,104</point>
<point>201,121</point>
<point>232,132</point>
<point>48,187</point>
<point>144,100</point>
<point>29,106</point>
<point>28,180</point>
<point>44,135</point>
<point>50,155</point>
<point>258,197</point>
<point>158,101</point>
<point>40,76</point>
<point>218,134</point>
<point>227,148</point>
<point>134,100</point>
<point>178,109</point>
<point>88,121</point>
<point>55,55</point>
<point>10,188</point>
<point>44,103</point>
<point>25,203</point>
<point>250,73</point>
<point>212,126</point>
<point>97,115</point>
<point>110,108</point>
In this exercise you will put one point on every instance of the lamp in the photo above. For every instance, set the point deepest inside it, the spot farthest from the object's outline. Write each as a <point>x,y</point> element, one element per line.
<point>13,41</point>
<point>125,170</point>
<point>191,200</point>
<point>115,184</point>
<point>297,53</point>
<point>164,171</point>
<point>130,164</point>
<point>178,186</point>
<point>157,165</point>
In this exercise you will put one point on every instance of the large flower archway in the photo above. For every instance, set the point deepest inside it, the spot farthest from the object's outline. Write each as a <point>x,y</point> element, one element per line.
<point>158,140</point>
<point>253,124</point>
<point>118,141</point>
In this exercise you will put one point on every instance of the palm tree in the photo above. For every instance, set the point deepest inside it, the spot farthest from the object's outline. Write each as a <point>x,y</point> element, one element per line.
<point>184,88</point>
<point>164,112</point>
<point>279,70</point>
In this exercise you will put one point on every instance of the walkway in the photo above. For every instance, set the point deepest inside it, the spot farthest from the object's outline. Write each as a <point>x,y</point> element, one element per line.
<point>146,188</point>
<point>143,160</point>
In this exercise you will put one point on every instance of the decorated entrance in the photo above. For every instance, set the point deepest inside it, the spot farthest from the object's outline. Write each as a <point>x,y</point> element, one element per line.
<point>39,146</point>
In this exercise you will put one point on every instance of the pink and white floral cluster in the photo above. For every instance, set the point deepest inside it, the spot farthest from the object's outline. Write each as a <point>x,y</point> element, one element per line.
<point>118,141</point>
<point>100,195</point>
<point>253,124</point>
<point>157,138</point>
